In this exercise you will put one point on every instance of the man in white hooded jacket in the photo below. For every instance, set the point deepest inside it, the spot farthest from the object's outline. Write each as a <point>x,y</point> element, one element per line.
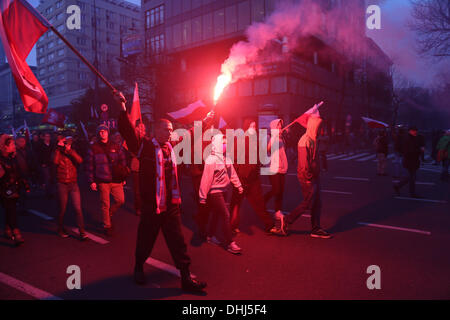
<point>217,175</point>
<point>308,173</point>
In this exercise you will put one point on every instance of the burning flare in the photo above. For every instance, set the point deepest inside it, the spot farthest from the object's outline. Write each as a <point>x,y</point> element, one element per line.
<point>222,82</point>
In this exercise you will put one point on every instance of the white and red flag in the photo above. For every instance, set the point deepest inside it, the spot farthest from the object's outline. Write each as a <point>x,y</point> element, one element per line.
<point>55,118</point>
<point>314,111</point>
<point>193,112</point>
<point>374,124</point>
<point>135,112</point>
<point>20,28</point>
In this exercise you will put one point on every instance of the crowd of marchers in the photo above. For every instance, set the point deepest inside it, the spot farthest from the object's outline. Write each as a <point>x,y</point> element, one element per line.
<point>52,162</point>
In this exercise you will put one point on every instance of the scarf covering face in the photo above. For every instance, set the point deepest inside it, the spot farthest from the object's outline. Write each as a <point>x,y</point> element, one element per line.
<point>161,191</point>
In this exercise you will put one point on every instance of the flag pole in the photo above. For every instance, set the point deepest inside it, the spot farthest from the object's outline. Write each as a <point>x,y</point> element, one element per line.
<point>90,66</point>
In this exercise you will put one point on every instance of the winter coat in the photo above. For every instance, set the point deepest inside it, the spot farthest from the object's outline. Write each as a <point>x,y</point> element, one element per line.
<point>308,163</point>
<point>66,165</point>
<point>98,166</point>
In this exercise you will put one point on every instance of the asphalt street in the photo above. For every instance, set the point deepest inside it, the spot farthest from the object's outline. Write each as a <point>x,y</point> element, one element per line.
<point>406,238</point>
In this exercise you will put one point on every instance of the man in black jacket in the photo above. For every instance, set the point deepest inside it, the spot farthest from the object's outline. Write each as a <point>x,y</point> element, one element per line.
<point>411,149</point>
<point>161,203</point>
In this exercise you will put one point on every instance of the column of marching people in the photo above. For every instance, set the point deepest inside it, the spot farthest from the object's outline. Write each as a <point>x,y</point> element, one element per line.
<point>52,165</point>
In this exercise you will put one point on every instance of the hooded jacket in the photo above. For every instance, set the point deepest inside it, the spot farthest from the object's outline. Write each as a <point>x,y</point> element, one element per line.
<point>278,159</point>
<point>308,163</point>
<point>218,171</point>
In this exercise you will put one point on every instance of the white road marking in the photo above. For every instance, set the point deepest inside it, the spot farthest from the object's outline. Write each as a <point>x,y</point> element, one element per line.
<point>92,236</point>
<point>373,156</point>
<point>40,214</point>
<point>421,183</point>
<point>165,267</point>
<point>26,288</point>
<point>354,157</point>
<point>337,192</point>
<point>431,170</point>
<point>338,157</point>
<point>419,199</point>
<point>351,178</point>
<point>285,212</point>
<point>394,228</point>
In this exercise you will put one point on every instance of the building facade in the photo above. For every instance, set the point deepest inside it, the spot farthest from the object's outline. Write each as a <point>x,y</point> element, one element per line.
<point>104,23</point>
<point>196,37</point>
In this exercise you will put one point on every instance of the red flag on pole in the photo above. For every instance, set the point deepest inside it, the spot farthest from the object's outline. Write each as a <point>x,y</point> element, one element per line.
<point>374,124</point>
<point>20,27</point>
<point>314,111</point>
<point>135,112</point>
<point>55,118</point>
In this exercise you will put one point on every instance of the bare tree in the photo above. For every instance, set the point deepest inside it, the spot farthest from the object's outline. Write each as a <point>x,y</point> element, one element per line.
<point>431,22</point>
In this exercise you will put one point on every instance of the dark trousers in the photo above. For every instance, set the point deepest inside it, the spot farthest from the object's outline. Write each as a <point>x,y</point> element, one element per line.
<point>64,190</point>
<point>10,212</point>
<point>411,178</point>
<point>202,216</point>
<point>170,224</point>
<point>445,165</point>
<point>136,191</point>
<point>277,182</point>
<point>311,204</point>
<point>216,203</point>
<point>253,193</point>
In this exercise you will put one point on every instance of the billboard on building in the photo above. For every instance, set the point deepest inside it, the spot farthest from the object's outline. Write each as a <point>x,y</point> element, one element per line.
<point>131,45</point>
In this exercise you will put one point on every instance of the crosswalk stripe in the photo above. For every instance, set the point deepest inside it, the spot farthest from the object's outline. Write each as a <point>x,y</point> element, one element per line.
<point>285,212</point>
<point>373,156</point>
<point>93,237</point>
<point>420,183</point>
<point>354,157</point>
<point>165,267</point>
<point>431,170</point>
<point>337,192</point>
<point>394,228</point>
<point>351,178</point>
<point>420,199</point>
<point>338,157</point>
<point>26,288</point>
<point>40,214</point>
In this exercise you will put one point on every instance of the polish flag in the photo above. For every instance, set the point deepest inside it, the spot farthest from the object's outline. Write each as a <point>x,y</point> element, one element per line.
<point>374,124</point>
<point>135,112</point>
<point>194,112</point>
<point>20,28</point>
<point>314,111</point>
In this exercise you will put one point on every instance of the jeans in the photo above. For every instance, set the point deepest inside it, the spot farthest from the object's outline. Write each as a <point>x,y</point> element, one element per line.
<point>116,191</point>
<point>216,203</point>
<point>64,190</point>
<point>277,191</point>
<point>311,204</point>
<point>411,178</point>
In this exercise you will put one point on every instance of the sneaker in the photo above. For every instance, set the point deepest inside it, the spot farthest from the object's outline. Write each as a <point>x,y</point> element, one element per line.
<point>63,233</point>
<point>234,248</point>
<point>139,276</point>
<point>280,227</point>
<point>193,285</point>
<point>320,233</point>
<point>213,240</point>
